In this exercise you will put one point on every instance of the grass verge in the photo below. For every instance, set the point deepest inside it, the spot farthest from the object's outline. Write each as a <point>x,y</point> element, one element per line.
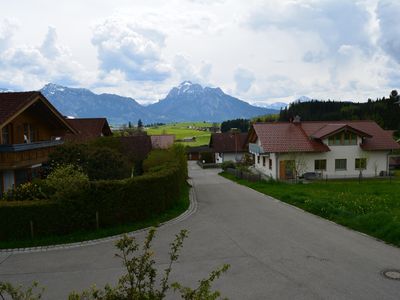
<point>181,206</point>
<point>371,207</point>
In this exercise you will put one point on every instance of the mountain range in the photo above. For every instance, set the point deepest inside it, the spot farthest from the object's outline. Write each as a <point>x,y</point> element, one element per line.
<point>186,102</point>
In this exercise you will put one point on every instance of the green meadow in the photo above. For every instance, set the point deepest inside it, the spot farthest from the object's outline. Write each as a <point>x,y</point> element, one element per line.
<point>184,130</point>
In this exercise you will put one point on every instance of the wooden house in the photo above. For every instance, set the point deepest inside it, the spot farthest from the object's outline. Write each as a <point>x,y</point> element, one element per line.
<point>30,129</point>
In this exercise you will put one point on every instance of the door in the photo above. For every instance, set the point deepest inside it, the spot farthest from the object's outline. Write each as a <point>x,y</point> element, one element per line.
<point>286,169</point>
<point>8,180</point>
<point>282,170</point>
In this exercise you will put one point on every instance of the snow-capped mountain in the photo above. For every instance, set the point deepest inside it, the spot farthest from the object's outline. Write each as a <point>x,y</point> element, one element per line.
<point>78,102</point>
<point>191,101</point>
<point>274,105</point>
<point>303,99</point>
<point>186,102</point>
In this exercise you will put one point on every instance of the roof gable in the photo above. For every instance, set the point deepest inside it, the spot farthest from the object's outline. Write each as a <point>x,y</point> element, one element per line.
<point>228,142</point>
<point>13,104</point>
<point>89,128</point>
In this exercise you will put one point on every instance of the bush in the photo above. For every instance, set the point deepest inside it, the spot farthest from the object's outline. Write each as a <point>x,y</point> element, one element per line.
<point>228,165</point>
<point>67,182</point>
<point>106,163</point>
<point>25,191</point>
<point>76,200</point>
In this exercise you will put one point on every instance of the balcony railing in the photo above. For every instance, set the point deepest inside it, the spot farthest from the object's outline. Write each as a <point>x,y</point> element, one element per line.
<point>30,146</point>
<point>255,149</point>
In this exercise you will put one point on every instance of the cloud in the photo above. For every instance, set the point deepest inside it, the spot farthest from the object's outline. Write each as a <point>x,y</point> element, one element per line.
<point>131,49</point>
<point>49,47</point>
<point>244,80</point>
<point>388,14</point>
<point>7,30</point>
<point>334,22</point>
<point>30,67</point>
<point>187,71</point>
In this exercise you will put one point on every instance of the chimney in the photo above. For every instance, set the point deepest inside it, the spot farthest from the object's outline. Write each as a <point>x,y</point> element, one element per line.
<point>297,120</point>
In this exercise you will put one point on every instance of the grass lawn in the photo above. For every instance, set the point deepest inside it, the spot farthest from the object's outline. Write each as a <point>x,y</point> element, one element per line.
<point>181,131</point>
<point>372,206</point>
<point>181,206</point>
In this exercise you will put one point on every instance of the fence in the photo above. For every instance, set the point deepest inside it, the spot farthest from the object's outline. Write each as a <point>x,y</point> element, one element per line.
<point>244,175</point>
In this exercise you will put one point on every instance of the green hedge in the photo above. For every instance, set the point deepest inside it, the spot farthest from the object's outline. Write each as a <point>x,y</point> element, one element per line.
<point>116,201</point>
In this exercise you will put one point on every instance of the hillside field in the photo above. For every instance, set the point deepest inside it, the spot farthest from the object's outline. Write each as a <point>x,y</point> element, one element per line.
<point>184,130</point>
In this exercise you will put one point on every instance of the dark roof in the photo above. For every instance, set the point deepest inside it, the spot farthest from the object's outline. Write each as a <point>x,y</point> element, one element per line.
<point>228,142</point>
<point>14,103</point>
<point>204,148</point>
<point>306,136</point>
<point>88,128</point>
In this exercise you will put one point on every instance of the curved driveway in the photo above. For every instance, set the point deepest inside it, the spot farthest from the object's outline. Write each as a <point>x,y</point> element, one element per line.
<point>275,251</point>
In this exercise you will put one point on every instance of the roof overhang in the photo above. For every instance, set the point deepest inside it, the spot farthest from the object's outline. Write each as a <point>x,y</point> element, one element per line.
<point>53,110</point>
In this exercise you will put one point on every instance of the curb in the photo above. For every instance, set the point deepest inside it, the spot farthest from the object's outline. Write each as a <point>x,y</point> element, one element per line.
<point>191,210</point>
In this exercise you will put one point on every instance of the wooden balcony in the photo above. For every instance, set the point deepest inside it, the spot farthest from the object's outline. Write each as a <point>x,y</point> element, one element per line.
<point>25,155</point>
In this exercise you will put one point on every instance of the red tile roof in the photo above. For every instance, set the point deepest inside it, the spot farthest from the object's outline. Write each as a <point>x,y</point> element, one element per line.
<point>88,129</point>
<point>305,136</point>
<point>228,142</point>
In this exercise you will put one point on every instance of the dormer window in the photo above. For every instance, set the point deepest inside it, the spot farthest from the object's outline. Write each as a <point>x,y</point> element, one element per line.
<point>342,138</point>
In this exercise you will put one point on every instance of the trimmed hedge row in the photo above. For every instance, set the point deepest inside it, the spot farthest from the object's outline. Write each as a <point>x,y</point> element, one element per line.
<point>115,201</point>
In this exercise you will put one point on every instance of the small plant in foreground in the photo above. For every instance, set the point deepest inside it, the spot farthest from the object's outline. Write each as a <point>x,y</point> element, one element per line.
<point>8,291</point>
<point>140,281</point>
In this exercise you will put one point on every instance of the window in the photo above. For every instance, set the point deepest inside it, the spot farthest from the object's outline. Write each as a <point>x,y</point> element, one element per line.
<point>258,159</point>
<point>264,161</point>
<point>340,164</point>
<point>361,163</point>
<point>5,135</point>
<point>270,164</point>
<point>320,165</point>
<point>343,138</point>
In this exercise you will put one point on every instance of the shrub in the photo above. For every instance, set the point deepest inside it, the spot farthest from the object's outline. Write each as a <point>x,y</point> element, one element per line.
<point>25,191</point>
<point>75,200</point>
<point>106,163</point>
<point>67,182</point>
<point>69,153</point>
<point>228,165</point>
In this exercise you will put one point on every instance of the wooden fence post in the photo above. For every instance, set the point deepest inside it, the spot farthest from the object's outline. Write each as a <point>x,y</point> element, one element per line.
<point>97,220</point>
<point>31,224</point>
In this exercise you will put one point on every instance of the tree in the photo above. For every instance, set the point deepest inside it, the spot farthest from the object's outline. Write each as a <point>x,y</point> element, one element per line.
<point>140,124</point>
<point>129,124</point>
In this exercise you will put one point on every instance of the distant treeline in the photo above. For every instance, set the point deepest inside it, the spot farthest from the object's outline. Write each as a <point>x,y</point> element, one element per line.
<point>384,111</point>
<point>240,124</point>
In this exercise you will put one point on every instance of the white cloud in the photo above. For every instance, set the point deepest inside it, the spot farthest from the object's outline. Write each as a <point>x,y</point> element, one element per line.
<point>388,14</point>
<point>244,80</point>
<point>131,49</point>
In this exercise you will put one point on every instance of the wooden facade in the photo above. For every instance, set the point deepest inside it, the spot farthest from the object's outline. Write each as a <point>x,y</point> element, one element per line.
<point>30,129</point>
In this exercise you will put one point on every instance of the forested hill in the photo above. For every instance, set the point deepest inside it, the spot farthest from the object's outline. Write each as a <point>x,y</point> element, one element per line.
<point>385,111</point>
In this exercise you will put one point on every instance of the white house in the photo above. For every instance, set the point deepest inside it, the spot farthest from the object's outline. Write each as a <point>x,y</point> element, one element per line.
<point>228,146</point>
<point>336,149</point>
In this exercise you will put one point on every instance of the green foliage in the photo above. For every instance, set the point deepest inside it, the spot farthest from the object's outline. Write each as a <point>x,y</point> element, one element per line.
<point>372,206</point>
<point>76,200</point>
<point>67,182</point>
<point>228,164</point>
<point>242,125</point>
<point>140,280</point>
<point>25,191</point>
<point>100,159</point>
<point>106,163</point>
<point>8,291</point>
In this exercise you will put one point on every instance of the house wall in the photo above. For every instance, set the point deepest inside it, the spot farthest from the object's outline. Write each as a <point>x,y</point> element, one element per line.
<point>222,157</point>
<point>266,170</point>
<point>377,161</point>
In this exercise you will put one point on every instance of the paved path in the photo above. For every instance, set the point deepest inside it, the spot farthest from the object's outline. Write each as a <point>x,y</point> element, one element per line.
<point>276,252</point>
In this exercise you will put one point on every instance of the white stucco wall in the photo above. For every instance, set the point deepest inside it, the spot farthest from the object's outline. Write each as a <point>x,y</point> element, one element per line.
<point>376,161</point>
<point>222,157</point>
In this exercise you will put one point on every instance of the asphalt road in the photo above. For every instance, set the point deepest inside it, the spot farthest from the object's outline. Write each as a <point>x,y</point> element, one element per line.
<point>275,251</point>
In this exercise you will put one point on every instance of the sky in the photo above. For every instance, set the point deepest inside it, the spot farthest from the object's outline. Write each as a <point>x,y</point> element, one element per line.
<point>259,51</point>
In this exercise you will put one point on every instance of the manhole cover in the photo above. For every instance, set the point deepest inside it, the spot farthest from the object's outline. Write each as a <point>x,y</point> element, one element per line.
<point>392,274</point>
